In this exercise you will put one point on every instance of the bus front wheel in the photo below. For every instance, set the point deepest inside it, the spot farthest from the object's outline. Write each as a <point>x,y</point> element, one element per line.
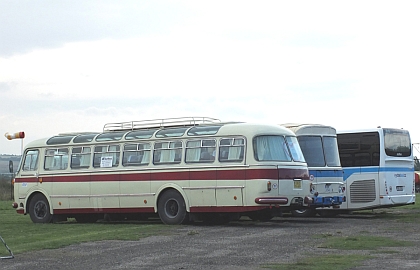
<point>171,208</point>
<point>39,209</point>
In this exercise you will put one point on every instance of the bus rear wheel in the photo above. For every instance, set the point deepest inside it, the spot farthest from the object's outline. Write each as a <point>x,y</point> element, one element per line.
<point>171,208</point>
<point>39,209</point>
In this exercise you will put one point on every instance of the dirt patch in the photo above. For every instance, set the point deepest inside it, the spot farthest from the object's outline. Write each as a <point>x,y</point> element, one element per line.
<point>239,245</point>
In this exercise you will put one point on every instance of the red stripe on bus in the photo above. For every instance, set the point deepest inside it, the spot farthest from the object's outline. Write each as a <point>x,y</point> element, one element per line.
<point>240,174</point>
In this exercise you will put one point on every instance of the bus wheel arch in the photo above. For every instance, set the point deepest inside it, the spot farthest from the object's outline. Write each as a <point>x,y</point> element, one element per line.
<point>39,208</point>
<point>172,207</point>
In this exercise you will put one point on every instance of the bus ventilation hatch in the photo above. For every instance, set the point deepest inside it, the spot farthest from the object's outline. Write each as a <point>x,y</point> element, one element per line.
<point>363,191</point>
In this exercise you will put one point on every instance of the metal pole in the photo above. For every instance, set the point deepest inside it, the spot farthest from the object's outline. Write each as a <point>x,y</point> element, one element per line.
<point>11,256</point>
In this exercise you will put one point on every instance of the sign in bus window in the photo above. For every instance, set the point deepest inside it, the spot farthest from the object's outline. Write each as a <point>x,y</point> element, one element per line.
<point>108,151</point>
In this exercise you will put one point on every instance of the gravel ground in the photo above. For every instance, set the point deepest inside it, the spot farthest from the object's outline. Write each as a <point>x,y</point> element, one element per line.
<point>239,245</point>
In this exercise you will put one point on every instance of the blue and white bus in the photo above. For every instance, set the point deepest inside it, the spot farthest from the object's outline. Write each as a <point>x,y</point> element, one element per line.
<point>378,168</point>
<point>319,146</point>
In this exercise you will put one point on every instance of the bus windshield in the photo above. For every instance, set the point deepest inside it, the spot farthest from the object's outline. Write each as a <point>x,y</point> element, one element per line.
<point>312,150</point>
<point>332,156</point>
<point>397,143</point>
<point>320,152</point>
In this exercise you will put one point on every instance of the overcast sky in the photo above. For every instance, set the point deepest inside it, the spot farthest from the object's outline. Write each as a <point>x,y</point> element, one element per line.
<point>76,65</point>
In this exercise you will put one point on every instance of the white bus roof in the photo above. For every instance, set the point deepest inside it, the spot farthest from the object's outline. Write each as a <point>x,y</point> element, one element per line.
<point>310,129</point>
<point>367,130</point>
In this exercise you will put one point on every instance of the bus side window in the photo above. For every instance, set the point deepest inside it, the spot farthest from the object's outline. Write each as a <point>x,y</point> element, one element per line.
<point>231,150</point>
<point>56,159</point>
<point>136,154</point>
<point>346,160</point>
<point>200,151</point>
<point>362,159</point>
<point>80,157</point>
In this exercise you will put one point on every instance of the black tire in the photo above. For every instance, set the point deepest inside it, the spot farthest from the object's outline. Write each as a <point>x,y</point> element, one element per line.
<point>262,215</point>
<point>39,209</point>
<point>171,208</point>
<point>303,212</point>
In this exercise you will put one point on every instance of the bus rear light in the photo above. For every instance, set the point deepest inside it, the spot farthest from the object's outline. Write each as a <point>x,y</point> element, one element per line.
<point>15,205</point>
<point>272,200</point>
<point>269,185</point>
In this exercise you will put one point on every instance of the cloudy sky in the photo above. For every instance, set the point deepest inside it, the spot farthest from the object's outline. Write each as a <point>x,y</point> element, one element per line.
<point>75,65</point>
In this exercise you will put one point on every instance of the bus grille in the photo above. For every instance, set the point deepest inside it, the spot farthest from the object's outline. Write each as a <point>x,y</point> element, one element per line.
<point>362,191</point>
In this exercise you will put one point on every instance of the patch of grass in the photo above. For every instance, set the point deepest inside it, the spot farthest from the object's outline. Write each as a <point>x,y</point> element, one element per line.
<point>326,262</point>
<point>362,242</point>
<point>21,235</point>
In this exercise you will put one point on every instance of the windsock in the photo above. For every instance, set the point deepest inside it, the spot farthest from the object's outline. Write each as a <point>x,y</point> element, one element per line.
<point>17,135</point>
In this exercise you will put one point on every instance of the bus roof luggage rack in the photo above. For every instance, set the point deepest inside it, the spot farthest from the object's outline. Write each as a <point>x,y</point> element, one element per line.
<point>159,123</point>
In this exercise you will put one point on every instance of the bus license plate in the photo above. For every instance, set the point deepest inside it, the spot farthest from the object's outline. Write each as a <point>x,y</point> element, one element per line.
<point>297,184</point>
<point>400,188</point>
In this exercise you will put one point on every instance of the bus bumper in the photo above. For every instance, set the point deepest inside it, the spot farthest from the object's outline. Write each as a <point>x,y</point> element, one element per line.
<point>327,201</point>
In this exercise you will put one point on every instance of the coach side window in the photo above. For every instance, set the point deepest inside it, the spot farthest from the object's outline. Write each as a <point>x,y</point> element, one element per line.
<point>31,160</point>
<point>56,159</point>
<point>167,152</point>
<point>231,149</point>
<point>135,154</point>
<point>80,157</point>
<point>200,151</point>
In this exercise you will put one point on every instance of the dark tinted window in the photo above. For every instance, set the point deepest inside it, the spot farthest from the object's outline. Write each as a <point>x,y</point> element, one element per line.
<point>111,136</point>
<point>140,134</point>
<point>84,138</point>
<point>203,130</point>
<point>312,150</point>
<point>171,132</point>
<point>359,149</point>
<point>59,140</point>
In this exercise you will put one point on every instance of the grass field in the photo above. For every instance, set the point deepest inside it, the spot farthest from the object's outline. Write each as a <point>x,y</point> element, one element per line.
<point>21,235</point>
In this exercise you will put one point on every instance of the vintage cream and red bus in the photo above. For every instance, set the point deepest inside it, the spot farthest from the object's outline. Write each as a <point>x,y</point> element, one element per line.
<point>181,168</point>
